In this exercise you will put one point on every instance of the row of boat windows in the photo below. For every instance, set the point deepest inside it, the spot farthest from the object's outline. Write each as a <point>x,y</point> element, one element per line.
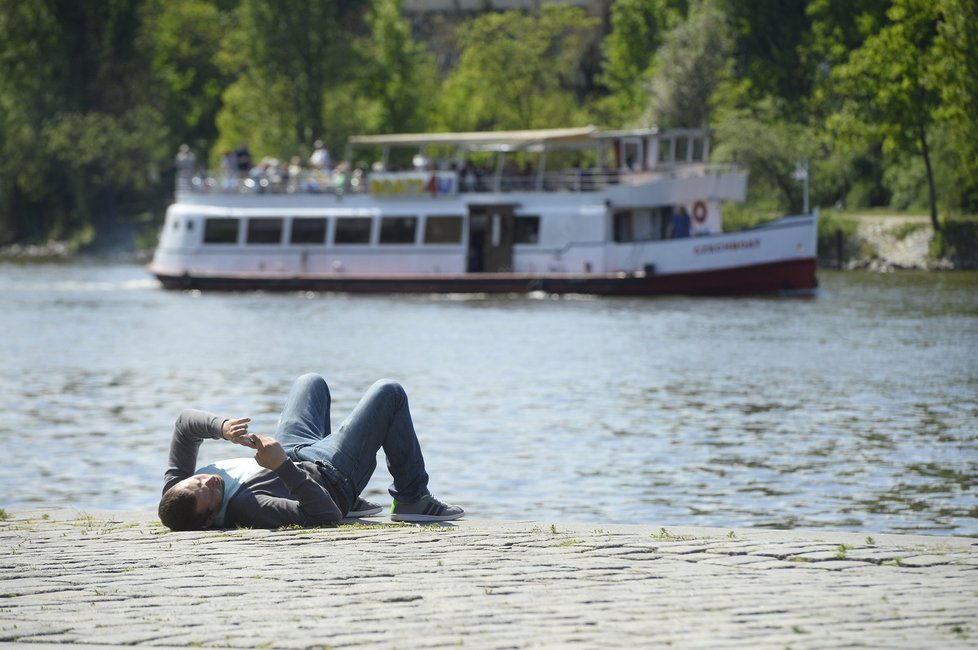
<point>351,230</point>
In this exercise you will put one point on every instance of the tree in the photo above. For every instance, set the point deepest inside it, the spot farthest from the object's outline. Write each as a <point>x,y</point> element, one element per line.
<point>767,35</point>
<point>889,87</point>
<point>756,135</point>
<point>637,30</point>
<point>688,68</point>
<point>957,76</point>
<point>78,107</point>
<point>399,75</point>
<point>517,71</point>
<point>184,40</point>
<point>284,56</point>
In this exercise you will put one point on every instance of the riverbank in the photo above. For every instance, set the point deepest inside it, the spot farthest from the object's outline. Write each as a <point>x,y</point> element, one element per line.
<point>119,578</point>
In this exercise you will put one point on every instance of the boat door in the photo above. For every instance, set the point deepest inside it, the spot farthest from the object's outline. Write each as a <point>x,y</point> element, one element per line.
<point>490,238</point>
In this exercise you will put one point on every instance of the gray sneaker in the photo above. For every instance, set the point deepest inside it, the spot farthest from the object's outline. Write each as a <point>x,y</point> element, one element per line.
<point>364,508</point>
<point>427,508</point>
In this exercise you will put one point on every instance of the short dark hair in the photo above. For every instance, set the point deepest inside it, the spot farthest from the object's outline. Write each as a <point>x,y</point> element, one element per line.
<point>178,511</point>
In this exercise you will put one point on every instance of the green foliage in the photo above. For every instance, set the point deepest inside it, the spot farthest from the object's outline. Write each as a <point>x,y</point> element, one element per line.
<point>756,135</point>
<point>767,35</point>
<point>95,97</point>
<point>284,56</point>
<point>400,76</point>
<point>83,136</point>
<point>183,40</point>
<point>637,31</point>
<point>890,86</point>
<point>688,68</point>
<point>516,71</point>
<point>958,241</point>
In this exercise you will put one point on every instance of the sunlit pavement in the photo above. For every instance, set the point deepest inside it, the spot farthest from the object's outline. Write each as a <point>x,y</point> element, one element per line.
<point>120,578</point>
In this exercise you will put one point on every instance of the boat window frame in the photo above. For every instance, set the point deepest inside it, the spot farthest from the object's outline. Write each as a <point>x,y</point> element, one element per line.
<point>681,149</point>
<point>215,219</point>
<point>443,217</point>
<point>666,151</point>
<point>338,229</point>
<point>255,220</point>
<point>523,219</point>
<point>622,220</point>
<point>292,231</point>
<point>388,218</point>
<point>639,161</point>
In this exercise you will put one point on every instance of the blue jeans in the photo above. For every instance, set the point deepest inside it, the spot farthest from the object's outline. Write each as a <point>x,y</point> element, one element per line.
<point>381,420</point>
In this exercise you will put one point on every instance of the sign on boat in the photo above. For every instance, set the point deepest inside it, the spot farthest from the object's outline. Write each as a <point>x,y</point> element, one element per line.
<point>576,210</point>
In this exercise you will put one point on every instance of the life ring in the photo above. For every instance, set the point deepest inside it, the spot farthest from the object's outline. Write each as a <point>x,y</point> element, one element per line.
<point>699,211</point>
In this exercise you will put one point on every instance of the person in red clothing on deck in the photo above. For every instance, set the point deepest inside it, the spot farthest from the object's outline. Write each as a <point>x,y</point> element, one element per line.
<point>305,474</point>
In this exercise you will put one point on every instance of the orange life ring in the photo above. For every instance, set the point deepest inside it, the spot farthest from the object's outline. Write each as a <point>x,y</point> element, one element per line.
<point>699,211</point>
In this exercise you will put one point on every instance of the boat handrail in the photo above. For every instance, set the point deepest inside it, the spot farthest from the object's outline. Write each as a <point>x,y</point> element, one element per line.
<point>571,179</point>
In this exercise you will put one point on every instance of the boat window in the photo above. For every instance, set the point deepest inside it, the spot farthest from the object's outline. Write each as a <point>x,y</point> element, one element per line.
<point>398,230</point>
<point>190,224</point>
<point>632,156</point>
<point>265,230</point>
<point>443,230</point>
<point>697,149</point>
<point>352,230</point>
<point>665,150</point>
<point>220,231</point>
<point>176,224</point>
<point>527,230</point>
<point>682,148</point>
<point>308,231</point>
<point>623,226</point>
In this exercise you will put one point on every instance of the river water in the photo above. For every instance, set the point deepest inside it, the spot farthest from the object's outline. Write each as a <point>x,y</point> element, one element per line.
<point>856,409</point>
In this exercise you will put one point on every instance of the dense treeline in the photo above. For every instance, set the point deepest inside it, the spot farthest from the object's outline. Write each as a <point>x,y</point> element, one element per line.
<point>879,96</point>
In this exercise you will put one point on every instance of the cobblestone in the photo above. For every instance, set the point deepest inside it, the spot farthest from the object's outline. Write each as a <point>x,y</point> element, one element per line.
<point>108,579</point>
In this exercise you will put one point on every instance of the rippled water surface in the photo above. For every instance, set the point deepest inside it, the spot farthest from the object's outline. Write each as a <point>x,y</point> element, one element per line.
<point>857,409</point>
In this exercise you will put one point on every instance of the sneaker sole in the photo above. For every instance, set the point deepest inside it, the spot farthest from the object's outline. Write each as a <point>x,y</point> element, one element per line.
<point>365,513</point>
<point>426,518</point>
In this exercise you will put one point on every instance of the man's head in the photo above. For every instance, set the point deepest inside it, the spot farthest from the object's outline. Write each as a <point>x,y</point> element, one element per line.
<point>192,503</point>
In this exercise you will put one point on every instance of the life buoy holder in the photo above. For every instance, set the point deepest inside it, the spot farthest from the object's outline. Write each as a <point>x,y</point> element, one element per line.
<point>699,211</point>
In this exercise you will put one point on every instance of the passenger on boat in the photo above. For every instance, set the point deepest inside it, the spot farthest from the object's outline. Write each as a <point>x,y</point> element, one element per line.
<point>229,166</point>
<point>304,475</point>
<point>320,158</point>
<point>186,164</point>
<point>680,224</point>
<point>242,157</point>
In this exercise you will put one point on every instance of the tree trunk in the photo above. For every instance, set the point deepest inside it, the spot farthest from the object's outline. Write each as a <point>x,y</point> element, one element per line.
<point>930,179</point>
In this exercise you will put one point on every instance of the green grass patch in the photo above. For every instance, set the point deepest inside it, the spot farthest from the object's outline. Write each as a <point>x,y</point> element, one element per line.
<point>570,542</point>
<point>4,515</point>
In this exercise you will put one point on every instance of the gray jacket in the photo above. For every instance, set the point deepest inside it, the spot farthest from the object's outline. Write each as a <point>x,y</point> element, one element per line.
<point>295,493</point>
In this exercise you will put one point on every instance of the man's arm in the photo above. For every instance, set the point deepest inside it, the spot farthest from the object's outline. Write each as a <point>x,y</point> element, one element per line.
<point>311,504</point>
<point>190,429</point>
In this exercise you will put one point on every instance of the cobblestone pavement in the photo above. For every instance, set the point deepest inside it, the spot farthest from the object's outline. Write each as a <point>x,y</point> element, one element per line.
<point>119,578</point>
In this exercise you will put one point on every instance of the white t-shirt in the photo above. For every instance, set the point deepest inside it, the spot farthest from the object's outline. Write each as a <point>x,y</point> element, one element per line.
<point>234,472</point>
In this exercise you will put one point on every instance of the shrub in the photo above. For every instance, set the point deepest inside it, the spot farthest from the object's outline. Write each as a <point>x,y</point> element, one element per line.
<point>958,241</point>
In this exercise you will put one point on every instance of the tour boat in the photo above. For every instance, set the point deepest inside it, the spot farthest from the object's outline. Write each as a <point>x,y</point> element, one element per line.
<point>575,210</point>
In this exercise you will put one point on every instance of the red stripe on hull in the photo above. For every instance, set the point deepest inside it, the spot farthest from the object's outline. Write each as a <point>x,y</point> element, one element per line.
<point>793,275</point>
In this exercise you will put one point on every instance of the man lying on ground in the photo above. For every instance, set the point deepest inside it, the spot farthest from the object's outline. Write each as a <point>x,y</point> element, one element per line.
<point>305,475</point>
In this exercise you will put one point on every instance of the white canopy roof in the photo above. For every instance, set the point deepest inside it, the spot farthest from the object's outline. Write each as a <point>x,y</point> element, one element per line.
<point>490,140</point>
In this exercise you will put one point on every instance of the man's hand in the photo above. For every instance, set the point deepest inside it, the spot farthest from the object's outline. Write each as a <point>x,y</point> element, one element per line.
<point>270,454</point>
<point>236,431</point>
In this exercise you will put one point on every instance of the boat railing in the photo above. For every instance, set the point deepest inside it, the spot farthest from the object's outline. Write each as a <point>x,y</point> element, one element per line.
<point>358,181</point>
